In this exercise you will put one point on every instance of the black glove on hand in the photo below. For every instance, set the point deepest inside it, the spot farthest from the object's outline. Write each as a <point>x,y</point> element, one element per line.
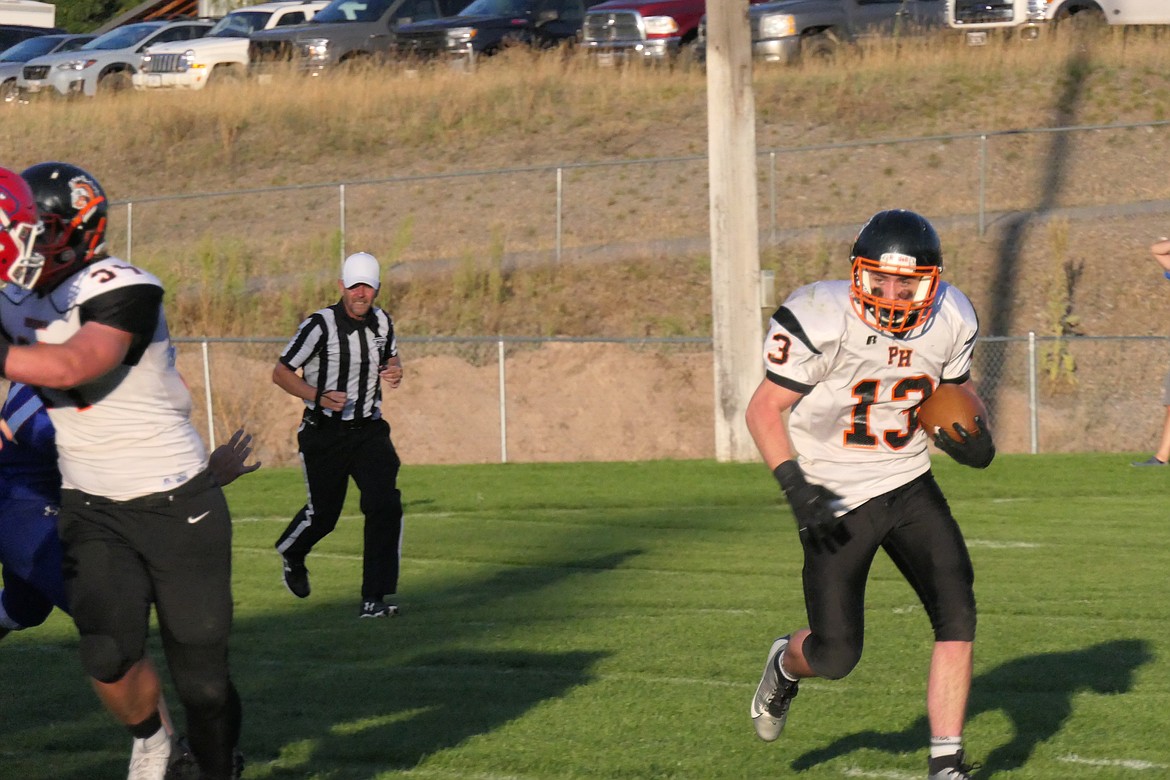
<point>813,506</point>
<point>974,451</point>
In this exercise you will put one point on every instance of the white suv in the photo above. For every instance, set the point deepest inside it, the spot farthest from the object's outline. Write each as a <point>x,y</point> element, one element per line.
<point>222,54</point>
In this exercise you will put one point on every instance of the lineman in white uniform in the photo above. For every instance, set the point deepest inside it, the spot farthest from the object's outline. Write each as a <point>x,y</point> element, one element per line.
<point>142,521</point>
<point>849,361</point>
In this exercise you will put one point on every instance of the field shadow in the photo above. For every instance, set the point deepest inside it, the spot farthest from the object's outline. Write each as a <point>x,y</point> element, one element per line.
<point>1008,256</point>
<point>1035,693</point>
<point>344,700</point>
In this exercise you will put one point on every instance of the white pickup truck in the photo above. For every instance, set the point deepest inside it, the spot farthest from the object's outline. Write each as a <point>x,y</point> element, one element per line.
<point>977,17</point>
<point>222,54</point>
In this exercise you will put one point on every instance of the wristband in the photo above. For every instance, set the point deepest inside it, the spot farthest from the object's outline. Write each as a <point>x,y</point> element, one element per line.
<point>1166,274</point>
<point>789,475</point>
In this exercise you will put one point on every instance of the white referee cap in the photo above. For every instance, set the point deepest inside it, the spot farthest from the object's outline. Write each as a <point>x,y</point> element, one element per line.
<point>360,268</point>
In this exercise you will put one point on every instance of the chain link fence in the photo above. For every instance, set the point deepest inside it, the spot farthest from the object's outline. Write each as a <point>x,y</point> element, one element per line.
<point>492,399</point>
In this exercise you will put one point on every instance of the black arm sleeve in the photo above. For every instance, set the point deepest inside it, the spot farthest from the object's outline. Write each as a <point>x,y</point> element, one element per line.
<point>134,309</point>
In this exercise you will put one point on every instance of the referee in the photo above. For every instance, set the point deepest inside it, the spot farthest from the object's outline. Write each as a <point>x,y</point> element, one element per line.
<point>342,352</point>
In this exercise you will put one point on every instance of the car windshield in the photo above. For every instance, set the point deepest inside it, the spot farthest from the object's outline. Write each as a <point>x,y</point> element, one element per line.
<point>238,24</point>
<point>29,48</point>
<point>496,8</point>
<point>121,37</point>
<point>353,11</point>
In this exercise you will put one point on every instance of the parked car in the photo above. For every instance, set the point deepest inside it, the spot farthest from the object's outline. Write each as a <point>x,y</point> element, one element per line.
<point>976,18</point>
<point>345,32</point>
<point>788,30</point>
<point>12,34</point>
<point>13,58</point>
<point>106,63</point>
<point>222,54</point>
<point>485,26</point>
<point>653,30</point>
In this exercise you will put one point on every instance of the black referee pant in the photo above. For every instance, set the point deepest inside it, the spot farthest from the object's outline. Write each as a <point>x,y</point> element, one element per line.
<point>332,451</point>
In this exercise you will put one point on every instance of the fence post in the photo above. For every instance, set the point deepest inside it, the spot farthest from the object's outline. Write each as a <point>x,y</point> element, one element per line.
<point>772,197</point>
<point>1033,412</point>
<point>503,405</point>
<point>560,209</point>
<point>341,205</point>
<point>982,180</point>
<point>207,396</point>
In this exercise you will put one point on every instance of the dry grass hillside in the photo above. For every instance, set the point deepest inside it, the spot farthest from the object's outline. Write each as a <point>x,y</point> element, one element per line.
<point>1069,216</point>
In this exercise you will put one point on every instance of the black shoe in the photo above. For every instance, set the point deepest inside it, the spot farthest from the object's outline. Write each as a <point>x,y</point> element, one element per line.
<point>184,767</point>
<point>296,576</point>
<point>953,767</point>
<point>377,609</point>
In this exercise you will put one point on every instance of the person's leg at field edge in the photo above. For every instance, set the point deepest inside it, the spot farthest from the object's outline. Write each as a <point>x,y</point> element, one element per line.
<point>1162,456</point>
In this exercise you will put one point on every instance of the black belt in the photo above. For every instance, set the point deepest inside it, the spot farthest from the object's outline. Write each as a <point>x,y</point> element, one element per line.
<point>317,420</point>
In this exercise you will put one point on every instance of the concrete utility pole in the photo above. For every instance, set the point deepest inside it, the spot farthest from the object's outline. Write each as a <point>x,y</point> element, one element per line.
<point>735,262</point>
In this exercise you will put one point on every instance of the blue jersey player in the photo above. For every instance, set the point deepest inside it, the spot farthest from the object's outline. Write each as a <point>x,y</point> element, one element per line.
<point>30,491</point>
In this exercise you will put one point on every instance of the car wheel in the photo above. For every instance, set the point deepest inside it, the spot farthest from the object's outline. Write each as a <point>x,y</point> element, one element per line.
<point>8,92</point>
<point>226,74</point>
<point>821,47</point>
<point>1081,20</point>
<point>118,81</point>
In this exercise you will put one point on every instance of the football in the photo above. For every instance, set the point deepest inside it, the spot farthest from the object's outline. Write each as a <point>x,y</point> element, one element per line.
<point>950,404</point>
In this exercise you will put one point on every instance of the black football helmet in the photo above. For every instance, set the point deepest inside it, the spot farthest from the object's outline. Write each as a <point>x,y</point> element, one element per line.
<point>896,243</point>
<point>73,209</point>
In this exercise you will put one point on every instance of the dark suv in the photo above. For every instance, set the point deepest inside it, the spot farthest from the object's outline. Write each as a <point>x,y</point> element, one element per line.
<point>485,26</point>
<point>345,32</point>
<point>12,34</point>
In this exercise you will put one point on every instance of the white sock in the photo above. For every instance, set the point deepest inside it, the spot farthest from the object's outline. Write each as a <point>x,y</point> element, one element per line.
<point>945,746</point>
<point>784,672</point>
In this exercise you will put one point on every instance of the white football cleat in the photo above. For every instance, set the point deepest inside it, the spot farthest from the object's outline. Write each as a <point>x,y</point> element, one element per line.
<point>775,692</point>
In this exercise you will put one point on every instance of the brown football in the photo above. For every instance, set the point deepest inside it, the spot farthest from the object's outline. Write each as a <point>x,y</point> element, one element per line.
<point>950,404</point>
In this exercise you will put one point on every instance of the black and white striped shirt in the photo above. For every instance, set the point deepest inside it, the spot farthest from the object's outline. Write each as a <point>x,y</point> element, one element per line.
<point>338,352</point>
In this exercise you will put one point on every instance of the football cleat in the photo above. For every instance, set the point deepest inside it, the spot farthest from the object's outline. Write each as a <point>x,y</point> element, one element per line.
<point>1153,461</point>
<point>950,768</point>
<point>296,576</point>
<point>377,609</point>
<point>185,767</point>
<point>775,692</point>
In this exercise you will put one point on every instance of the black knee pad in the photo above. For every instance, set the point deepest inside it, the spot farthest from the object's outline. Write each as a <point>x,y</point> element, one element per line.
<point>832,659</point>
<point>103,660</point>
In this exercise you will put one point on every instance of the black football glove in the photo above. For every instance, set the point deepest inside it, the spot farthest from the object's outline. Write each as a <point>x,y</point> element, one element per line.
<point>813,506</point>
<point>974,451</point>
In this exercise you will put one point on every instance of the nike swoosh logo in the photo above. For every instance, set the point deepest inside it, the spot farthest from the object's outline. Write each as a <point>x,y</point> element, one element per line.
<point>193,520</point>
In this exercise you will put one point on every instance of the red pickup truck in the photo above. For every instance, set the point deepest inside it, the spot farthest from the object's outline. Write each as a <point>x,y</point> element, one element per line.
<point>636,29</point>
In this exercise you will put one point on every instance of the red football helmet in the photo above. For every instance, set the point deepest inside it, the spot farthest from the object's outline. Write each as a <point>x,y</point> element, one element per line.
<point>19,228</point>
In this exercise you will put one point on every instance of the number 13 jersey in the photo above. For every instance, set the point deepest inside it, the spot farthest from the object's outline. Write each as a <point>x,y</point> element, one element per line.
<point>852,427</point>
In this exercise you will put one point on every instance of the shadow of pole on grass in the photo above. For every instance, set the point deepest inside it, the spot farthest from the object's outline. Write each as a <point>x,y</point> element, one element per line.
<point>1006,271</point>
<point>1034,692</point>
<point>388,711</point>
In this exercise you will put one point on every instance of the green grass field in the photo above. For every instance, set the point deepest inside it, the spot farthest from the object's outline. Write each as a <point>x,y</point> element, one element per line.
<point>611,621</point>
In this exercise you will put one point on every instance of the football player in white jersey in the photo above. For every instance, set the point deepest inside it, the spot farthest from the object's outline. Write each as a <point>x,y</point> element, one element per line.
<point>845,363</point>
<point>142,521</point>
